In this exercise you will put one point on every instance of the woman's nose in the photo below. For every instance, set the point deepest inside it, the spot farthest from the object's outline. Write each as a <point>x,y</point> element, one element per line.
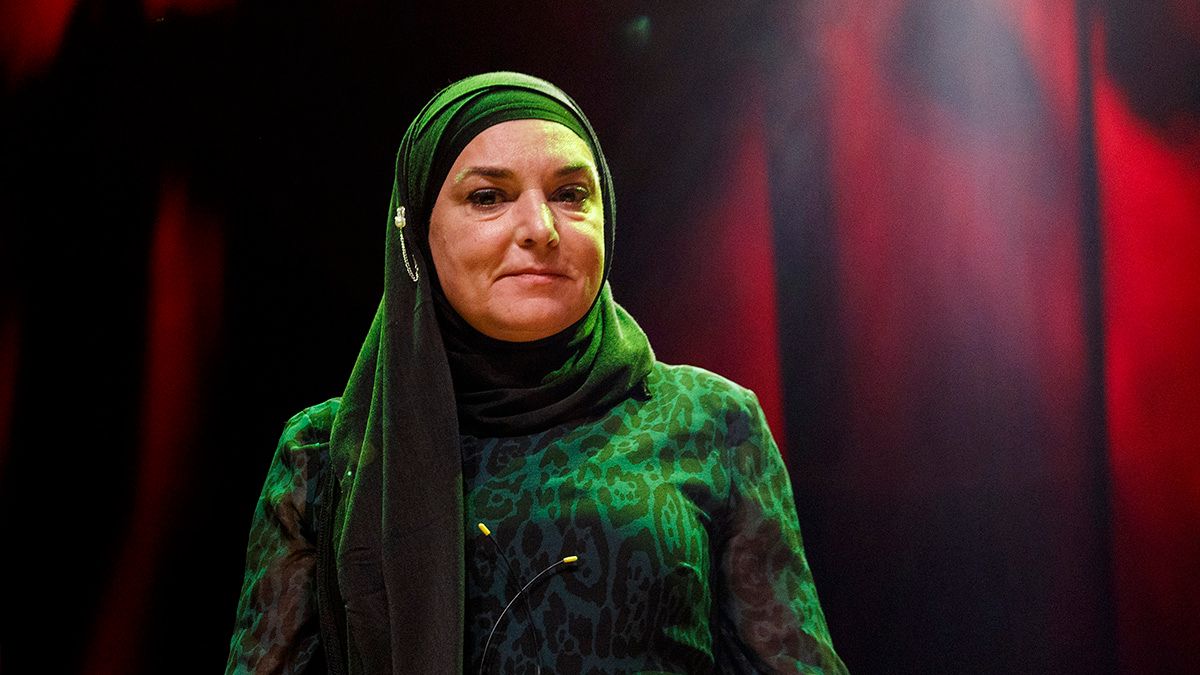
<point>535,224</point>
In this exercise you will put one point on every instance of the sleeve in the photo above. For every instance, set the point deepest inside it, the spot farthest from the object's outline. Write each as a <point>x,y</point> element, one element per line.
<point>769,617</point>
<point>277,628</point>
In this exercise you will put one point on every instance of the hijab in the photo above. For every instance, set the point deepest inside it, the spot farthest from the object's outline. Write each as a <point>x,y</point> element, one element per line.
<point>424,375</point>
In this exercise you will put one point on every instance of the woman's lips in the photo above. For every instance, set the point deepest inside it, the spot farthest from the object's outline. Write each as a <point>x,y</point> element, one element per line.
<point>534,274</point>
<point>535,277</point>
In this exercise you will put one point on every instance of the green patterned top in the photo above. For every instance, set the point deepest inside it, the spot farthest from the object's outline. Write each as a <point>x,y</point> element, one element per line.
<point>676,503</point>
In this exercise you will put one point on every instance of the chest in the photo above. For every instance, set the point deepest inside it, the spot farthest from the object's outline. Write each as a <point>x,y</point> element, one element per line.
<point>638,507</point>
<point>594,488</point>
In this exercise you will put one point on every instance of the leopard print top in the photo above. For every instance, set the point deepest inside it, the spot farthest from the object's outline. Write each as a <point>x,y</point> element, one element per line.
<point>677,505</point>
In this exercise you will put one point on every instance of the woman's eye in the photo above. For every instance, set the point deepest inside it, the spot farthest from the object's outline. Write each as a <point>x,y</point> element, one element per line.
<point>486,197</point>
<point>572,193</point>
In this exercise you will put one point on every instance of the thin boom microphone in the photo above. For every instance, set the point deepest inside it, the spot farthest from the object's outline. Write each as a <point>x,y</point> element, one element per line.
<point>514,575</point>
<point>565,561</point>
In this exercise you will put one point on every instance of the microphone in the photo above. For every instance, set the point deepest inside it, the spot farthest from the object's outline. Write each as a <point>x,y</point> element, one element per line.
<point>571,559</point>
<point>513,574</point>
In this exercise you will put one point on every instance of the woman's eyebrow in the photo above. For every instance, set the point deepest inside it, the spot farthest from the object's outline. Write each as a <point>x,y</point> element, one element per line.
<point>575,167</point>
<point>485,171</point>
<point>502,173</point>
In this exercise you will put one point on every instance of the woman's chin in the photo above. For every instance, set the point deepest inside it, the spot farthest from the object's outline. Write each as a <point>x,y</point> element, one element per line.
<point>531,319</point>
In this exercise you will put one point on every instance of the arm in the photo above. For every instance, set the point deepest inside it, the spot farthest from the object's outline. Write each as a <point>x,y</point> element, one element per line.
<point>277,627</point>
<point>769,617</point>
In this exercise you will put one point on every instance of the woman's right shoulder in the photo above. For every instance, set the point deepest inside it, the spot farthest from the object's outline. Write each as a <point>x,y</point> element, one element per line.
<point>300,461</point>
<point>311,426</point>
<point>276,618</point>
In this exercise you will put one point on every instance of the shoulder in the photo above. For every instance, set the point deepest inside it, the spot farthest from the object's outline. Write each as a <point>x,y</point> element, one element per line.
<point>694,378</point>
<point>712,401</point>
<point>304,445</point>
<point>311,426</point>
<point>300,460</point>
<point>705,388</point>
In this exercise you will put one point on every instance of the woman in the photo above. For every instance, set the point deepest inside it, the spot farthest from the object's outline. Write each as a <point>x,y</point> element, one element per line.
<point>500,384</point>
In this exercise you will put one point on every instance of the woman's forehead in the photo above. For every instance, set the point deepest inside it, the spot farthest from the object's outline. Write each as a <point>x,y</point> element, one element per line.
<point>524,144</point>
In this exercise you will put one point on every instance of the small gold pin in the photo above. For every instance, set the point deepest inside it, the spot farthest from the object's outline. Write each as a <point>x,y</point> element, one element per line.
<point>400,217</point>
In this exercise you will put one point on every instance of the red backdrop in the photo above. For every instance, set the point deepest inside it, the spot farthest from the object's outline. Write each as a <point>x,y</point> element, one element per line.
<point>1149,190</point>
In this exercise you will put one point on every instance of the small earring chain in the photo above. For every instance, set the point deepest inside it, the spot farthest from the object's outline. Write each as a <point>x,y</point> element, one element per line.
<point>414,272</point>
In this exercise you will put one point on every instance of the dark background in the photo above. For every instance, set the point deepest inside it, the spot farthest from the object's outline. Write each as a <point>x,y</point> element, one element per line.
<point>952,246</point>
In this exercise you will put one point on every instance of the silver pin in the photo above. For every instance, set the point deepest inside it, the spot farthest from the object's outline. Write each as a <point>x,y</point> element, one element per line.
<point>414,272</point>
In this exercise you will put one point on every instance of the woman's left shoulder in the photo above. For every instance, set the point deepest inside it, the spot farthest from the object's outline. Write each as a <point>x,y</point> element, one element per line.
<point>710,420</point>
<point>704,391</point>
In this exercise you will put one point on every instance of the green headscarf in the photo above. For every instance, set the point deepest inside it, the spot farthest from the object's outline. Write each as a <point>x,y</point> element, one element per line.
<point>424,375</point>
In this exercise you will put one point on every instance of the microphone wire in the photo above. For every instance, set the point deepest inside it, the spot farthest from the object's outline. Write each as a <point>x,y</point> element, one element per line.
<point>487,645</point>
<point>511,576</point>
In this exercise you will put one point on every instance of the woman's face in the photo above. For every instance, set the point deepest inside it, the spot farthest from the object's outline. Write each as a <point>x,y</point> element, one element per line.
<point>517,231</point>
